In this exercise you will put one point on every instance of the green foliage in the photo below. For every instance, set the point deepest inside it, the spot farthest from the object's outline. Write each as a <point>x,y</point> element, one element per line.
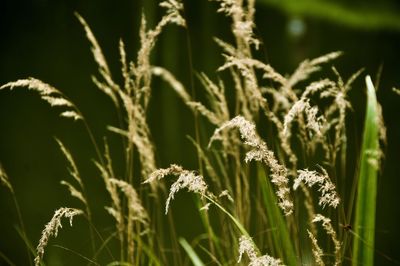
<point>363,245</point>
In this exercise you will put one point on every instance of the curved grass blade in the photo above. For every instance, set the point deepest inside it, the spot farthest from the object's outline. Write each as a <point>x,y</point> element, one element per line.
<point>191,253</point>
<point>367,184</point>
<point>281,236</point>
<point>6,259</point>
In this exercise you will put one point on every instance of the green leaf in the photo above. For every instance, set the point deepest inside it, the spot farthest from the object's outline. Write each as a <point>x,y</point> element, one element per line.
<point>280,236</point>
<point>363,245</point>
<point>190,251</point>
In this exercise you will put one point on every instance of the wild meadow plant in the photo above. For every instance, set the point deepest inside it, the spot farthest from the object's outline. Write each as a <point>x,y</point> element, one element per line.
<point>269,183</point>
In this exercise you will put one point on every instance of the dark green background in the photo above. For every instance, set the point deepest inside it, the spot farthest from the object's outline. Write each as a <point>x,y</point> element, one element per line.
<point>43,39</point>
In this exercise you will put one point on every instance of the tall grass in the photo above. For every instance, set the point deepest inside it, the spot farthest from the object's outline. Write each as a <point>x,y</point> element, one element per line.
<point>367,182</point>
<point>267,188</point>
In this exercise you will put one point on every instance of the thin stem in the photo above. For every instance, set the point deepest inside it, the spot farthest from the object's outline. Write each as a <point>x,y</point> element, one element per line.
<point>193,91</point>
<point>235,221</point>
<point>78,254</point>
<point>21,222</point>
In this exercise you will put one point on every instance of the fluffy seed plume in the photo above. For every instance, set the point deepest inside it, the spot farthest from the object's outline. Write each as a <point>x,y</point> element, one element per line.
<point>261,153</point>
<point>51,229</point>
<point>242,20</point>
<point>246,245</point>
<point>328,196</point>
<point>186,179</point>
<point>47,93</point>
<point>316,250</point>
<point>326,224</point>
<point>174,9</point>
<point>314,122</point>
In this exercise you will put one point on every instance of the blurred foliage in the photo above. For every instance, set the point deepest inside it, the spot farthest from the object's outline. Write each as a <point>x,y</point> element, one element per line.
<point>367,17</point>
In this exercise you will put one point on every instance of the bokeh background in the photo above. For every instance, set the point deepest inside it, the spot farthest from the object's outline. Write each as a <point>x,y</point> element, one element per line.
<point>43,39</point>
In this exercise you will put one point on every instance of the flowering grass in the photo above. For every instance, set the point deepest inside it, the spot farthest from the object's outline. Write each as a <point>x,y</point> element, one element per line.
<point>260,195</point>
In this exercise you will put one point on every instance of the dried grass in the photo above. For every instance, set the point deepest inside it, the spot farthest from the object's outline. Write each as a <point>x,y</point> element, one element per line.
<point>51,229</point>
<point>246,245</point>
<point>186,179</point>
<point>261,153</point>
<point>49,94</point>
<point>291,104</point>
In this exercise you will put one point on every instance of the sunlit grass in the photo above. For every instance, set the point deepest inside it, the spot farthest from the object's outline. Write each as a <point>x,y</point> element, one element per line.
<point>264,197</point>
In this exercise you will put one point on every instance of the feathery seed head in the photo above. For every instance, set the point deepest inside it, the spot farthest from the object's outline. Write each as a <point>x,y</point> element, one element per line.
<point>174,9</point>
<point>47,93</point>
<point>246,245</point>
<point>316,250</point>
<point>329,195</point>
<point>314,122</point>
<point>51,229</point>
<point>260,152</point>
<point>242,16</point>
<point>186,179</point>
<point>326,224</point>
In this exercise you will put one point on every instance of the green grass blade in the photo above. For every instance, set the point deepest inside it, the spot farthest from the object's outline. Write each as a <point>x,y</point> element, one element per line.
<point>363,246</point>
<point>280,234</point>
<point>190,251</point>
<point>27,242</point>
<point>6,259</point>
<point>241,228</point>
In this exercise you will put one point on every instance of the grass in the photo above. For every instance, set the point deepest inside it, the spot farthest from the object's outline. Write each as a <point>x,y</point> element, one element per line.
<point>267,188</point>
<point>367,183</point>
